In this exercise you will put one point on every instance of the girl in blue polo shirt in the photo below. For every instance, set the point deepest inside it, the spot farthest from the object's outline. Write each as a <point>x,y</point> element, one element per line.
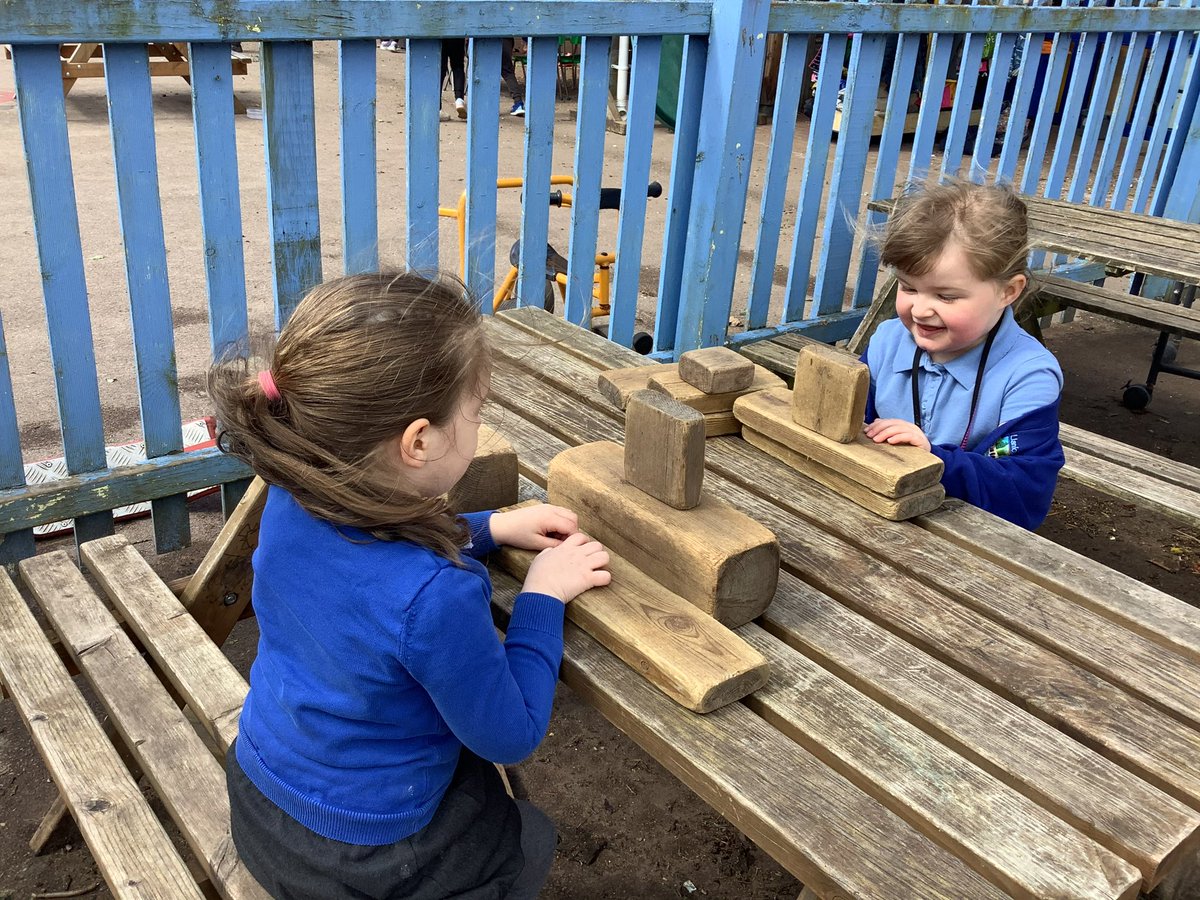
<point>380,695</point>
<point>953,373</point>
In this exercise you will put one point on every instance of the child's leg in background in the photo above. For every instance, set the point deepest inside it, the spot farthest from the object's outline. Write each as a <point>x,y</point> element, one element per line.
<point>508,71</point>
<point>454,59</point>
<point>538,842</point>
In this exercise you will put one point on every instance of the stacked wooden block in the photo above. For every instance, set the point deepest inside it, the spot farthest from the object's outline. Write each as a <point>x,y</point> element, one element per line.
<point>709,381</point>
<point>686,567</point>
<point>817,429</point>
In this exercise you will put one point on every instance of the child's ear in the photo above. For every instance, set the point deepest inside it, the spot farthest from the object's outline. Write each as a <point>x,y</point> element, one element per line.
<point>412,447</point>
<point>1013,289</point>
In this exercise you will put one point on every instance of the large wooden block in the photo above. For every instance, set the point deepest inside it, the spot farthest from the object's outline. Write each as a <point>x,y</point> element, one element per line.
<point>714,556</point>
<point>689,656</point>
<point>617,384</point>
<point>894,508</point>
<point>716,370</point>
<point>883,468</point>
<point>666,380</point>
<point>490,481</point>
<point>664,449</point>
<point>830,393</point>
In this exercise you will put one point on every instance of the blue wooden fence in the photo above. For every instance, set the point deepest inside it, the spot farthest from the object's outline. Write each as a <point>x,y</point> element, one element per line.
<point>1095,104</point>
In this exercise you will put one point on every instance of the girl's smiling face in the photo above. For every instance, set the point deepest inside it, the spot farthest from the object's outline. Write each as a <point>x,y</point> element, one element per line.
<point>949,309</point>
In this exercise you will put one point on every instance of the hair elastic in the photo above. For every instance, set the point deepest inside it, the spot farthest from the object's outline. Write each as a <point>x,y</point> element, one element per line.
<point>267,382</point>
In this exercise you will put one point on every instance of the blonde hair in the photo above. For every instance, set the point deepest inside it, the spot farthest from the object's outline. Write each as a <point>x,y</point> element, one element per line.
<point>989,222</point>
<point>360,359</point>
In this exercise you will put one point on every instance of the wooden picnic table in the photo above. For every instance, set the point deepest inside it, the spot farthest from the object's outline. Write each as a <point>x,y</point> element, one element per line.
<point>957,708</point>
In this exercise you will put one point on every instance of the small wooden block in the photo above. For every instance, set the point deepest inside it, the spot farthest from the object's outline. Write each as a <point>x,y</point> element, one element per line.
<point>490,481</point>
<point>830,393</point>
<point>664,449</point>
<point>722,423</point>
<point>666,380</point>
<point>617,384</point>
<point>716,370</point>
<point>892,471</point>
<point>894,508</point>
<point>714,556</point>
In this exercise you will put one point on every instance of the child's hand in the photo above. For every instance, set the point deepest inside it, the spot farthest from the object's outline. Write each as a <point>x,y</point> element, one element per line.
<point>896,431</point>
<point>533,527</point>
<point>566,571</point>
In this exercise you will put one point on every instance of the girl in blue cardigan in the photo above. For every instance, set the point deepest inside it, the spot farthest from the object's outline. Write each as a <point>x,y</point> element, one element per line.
<point>381,696</point>
<point>953,373</point>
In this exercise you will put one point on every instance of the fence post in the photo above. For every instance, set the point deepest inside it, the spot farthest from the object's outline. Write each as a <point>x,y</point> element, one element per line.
<point>733,76</point>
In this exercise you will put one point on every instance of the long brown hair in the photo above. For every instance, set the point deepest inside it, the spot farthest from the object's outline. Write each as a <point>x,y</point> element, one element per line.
<point>360,359</point>
<point>989,222</point>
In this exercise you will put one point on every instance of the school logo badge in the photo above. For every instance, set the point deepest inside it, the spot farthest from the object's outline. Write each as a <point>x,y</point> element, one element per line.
<point>1006,446</point>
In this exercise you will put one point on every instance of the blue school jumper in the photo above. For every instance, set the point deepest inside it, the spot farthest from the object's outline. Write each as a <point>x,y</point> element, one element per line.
<point>1009,464</point>
<point>377,662</point>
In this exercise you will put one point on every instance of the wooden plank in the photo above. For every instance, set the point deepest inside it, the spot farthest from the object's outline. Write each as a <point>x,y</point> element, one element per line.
<point>690,657</point>
<point>14,545</point>
<point>829,393</point>
<point>716,370</point>
<point>360,216</point>
<point>490,481</point>
<point>618,385</point>
<point>771,355</point>
<point>541,79</point>
<point>664,449</point>
<point>219,589</point>
<point>905,507</point>
<point>1119,305</point>
<point>132,851</point>
<point>579,342</point>
<point>185,655</point>
<point>716,558</point>
<point>1024,849</point>
<point>185,775</point>
<point>667,380</point>
<point>422,95</point>
<point>1161,467</point>
<point>814,822</point>
<point>882,308</point>
<point>886,469</point>
<point>721,424</point>
<point>483,142</point>
<point>1145,491</point>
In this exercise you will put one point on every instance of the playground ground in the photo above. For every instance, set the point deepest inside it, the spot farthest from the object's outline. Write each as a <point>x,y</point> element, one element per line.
<point>627,827</point>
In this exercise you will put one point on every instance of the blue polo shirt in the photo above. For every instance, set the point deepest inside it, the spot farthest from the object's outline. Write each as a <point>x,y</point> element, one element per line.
<point>1021,376</point>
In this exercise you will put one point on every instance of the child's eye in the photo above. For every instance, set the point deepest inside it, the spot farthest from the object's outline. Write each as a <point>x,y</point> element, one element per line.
<point>947,298</point>
<point>906,289</point>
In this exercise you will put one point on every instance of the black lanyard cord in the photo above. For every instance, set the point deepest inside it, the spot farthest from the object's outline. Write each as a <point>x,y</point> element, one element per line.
<point>983,358</point>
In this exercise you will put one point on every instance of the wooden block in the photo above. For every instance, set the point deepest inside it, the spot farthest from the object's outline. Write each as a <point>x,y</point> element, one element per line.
<point>893,471</point>
<point>716,370</point>
<point>690,657</point>
<point>830,392</point>
<point>664,449</point>
<point>898,508</point>
<point>617,384</point>
<point>666,380</point>
<point>714,556</point>
<point>722,423</point>
<point>490,481</point>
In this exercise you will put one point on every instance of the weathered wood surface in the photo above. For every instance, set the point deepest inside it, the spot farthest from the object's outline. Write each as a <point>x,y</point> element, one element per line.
<point>1120,305</point>
<point>490,481</point>
<point>713,556</point>
<point>894,508</point>
<point>829,393</point>
<point>664,449</point>
<point>716,370</point>
<point>892,471</point>
<point>132,851</point>
<point>669,381</point>
<point>618,384</point>
<point>689,656</point>
<point>1143,490</point>
<point>185,775</point>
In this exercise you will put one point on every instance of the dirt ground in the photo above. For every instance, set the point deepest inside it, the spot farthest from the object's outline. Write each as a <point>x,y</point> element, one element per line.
<point>628,829</point>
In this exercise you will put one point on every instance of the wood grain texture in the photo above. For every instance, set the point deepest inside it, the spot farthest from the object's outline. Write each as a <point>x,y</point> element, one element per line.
<point>667,380</point>
<point>618,384</point>
<point>885,469</point>
<point>543,329</point>
<point>716,370</point>
<point>829,393</point>
<point>894,508</point>
<point>490,481</point>
<point>690,657</point>
<point>186,656</point>
<point>1146,491</point>
<point>185,775</point>
<point>664,449</point>
<point>716,558</point>
<point>132,851</point>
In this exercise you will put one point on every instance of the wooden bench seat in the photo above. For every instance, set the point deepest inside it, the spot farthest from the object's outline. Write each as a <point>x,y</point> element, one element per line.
<point>1120,305</point>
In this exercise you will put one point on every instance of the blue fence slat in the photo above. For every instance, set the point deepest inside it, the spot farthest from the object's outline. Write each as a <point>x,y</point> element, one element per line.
<point>1018,111</point>
<point>360,216</point>
<point>290,144</point>
<point>483,140</point>
<point>993,101</point>
<point>964,101</point>
<point>736,51</point>
<point>929,118</point>
<point>1040,136</point>
<point>541,83</point>
<point>422,94</point>
<point>1148,96</point>
<point>1096,115</point>
<point>43,123</point>
<point>812,179</point>
<point>131,119</point>
<point>792,74</point>
<point>679,194</point>
<point>887,160</point>
<point>1117,122</point>
<point>16,545</point>
<point>1183,133</point>
<point>1158,131</point>
<point>635,175</point>
<point>849,169</point>
<point>1079,86</point>
<point>589,168</point>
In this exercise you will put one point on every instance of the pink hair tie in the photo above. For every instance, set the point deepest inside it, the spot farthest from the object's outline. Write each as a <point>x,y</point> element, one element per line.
<point>267,382</point>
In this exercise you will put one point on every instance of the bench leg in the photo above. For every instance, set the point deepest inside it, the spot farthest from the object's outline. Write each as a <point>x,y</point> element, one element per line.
<point>55,816</point>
